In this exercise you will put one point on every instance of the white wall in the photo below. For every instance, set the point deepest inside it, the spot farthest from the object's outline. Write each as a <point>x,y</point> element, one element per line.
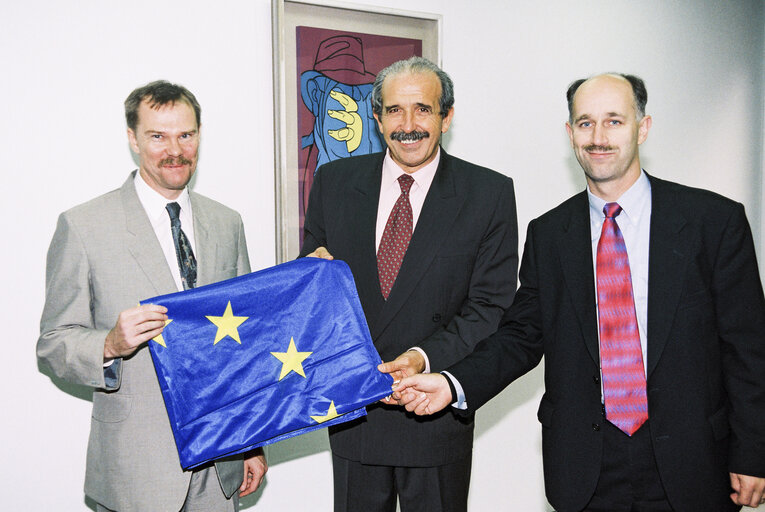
<point>67,67</point>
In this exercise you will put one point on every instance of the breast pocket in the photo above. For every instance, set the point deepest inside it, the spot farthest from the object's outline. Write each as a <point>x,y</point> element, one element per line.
<point>695,299</point>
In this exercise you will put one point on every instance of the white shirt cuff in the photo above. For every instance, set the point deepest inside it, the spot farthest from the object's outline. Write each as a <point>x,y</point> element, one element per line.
<point>425,356</point>
<point>461,402</point>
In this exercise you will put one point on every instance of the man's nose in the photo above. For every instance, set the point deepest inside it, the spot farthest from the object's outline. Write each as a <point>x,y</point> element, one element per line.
<point>599,136</point>
<point>409,123</point>
<point>174,148</point>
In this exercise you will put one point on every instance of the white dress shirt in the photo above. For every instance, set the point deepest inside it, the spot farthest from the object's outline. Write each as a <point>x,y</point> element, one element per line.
<point>635,224</point>
<point>154,204</point>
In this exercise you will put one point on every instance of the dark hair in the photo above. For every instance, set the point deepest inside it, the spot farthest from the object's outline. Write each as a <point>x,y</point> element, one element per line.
<point>639,92</point>
<point>159,93</point>
<point>414,65</point>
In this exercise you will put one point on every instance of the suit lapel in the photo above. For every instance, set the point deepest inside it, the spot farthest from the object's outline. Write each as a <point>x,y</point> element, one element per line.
<point>667,262</point>
<point>142,242</point>
<point>362,222</point>
<point>442,206</point>
<point>575,253</point>
<point>205,245</point>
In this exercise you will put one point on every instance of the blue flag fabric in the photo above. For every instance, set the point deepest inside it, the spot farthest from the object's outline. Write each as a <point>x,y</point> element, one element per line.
<point>263,357</point>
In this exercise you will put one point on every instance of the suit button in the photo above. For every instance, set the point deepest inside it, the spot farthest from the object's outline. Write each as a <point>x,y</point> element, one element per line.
<point>595,427</point>
<point>596,379</point>
<point>436,317</point>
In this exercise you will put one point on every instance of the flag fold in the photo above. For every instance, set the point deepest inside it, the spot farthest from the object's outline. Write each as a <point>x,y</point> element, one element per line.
<point>264,357</point>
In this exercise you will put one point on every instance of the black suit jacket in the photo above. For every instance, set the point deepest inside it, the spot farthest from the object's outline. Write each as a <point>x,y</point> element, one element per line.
<point>456,280</point>
<point>706,348</point>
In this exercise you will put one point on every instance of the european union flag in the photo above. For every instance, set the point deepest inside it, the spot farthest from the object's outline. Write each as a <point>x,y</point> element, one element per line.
<point>263,357</point>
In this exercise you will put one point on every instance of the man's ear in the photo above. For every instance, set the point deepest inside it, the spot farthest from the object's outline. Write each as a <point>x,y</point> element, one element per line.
<point>643,127</point>
<point>132,139</point>
<point>447,121</point>
<point>570,132</point>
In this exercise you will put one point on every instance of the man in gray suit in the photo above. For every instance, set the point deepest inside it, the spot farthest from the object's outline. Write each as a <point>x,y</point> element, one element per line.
<point>149,237</point>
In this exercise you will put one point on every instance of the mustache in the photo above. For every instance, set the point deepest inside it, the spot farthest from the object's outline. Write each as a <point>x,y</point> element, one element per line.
<point>175,161</point>
<point>413,135</point>
<point>594,147</point>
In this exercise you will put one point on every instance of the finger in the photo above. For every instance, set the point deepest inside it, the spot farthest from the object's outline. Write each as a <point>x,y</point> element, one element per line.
<point>735,482</point>
<point>341,115</point>
<point>387,367</point>
<point>407,398</point>
<point>423,407</point>
<point>144,337</point>
<point>405,383</point>
<point>150,325</point>
<point>412,405</point>
<point>247,488</point>
<point>156,308</point>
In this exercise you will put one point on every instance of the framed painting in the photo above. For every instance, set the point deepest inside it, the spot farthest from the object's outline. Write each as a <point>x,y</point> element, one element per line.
<point>326,57</point>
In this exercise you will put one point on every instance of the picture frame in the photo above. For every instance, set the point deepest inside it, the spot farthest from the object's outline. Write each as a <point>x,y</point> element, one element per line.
<point>325,57</point>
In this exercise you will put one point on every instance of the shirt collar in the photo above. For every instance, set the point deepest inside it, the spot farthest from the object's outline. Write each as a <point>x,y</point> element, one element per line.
<point>423,177</point>
<point>635,202</point>
<point>154,203</point>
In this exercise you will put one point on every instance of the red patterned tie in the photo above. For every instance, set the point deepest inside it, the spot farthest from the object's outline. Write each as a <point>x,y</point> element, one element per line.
<point>621,358</point>
<point>396,236</point>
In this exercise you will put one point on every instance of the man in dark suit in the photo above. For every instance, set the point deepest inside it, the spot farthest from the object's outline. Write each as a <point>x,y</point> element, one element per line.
<point>150,237</point>
<point>645,300</point>
<point>432,243</point>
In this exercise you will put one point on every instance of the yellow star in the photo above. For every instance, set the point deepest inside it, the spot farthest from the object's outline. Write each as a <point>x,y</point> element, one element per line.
<point>291,360</point>
<point>158,338</point>
<point>227,325</point>
<point>331,413</point>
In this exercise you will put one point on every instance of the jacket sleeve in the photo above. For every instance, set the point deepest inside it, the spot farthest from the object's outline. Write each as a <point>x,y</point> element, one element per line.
<point>516,347</point>
<point>740,310</point>
<point>491,289</point>
<point>314,234</point>
<point>70,345</point>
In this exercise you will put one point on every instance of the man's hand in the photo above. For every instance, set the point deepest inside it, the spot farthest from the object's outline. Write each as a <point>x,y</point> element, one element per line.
<point>749,490</point>
<point>424,394</point>
<point>134,327</point>
<point>255,468</point>
<point>409,363</point>
<point>321,252</point>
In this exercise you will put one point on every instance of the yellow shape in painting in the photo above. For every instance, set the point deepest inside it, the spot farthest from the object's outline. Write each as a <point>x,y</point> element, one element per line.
<point>292,360</point>
<point>158,338</point>
<point>354,127</point>
<point>227,325</point>
<point>331,413</point>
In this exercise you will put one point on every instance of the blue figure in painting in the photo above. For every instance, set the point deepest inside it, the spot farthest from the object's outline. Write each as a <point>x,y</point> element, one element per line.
<point>337,91</point>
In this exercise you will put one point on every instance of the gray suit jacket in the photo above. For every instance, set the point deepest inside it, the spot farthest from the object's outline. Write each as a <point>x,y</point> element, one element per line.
<point>103,259</point>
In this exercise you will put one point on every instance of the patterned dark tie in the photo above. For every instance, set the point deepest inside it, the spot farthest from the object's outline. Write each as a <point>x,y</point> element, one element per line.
<point>621,358</point>
<point>396,236</point>
<point>186,261</point>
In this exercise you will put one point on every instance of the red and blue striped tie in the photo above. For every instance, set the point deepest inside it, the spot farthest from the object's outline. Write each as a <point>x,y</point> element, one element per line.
<point>621,357</point>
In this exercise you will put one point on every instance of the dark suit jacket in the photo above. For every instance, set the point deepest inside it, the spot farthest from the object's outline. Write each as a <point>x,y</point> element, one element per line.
<point>706,348</point>
<point>456,280</point>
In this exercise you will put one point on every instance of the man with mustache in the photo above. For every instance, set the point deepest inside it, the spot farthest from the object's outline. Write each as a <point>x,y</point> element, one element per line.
<point>150,237</point>
<point>644,298</point>
<point>432,243</point>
